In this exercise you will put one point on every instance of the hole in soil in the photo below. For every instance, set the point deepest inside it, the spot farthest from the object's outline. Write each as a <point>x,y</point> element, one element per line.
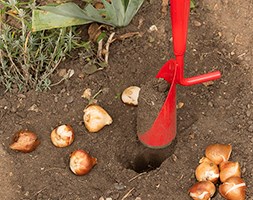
<point>148,159</point>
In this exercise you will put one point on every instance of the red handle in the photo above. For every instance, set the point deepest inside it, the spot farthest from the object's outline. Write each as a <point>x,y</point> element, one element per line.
<point>179,10</point>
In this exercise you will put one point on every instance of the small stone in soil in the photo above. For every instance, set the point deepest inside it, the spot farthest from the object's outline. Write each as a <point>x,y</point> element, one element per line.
<point>230,120</point>
<point>21,96</point>
<point>197,23</point>
<point>56,99</point>
<point>250,129</point>
<point>3,103</point>
<point>22,114</point>
<point>248,113</point>
<point>70,100</point>
<point>13,109</point>
<point>119,186</point>
<point>65,109</point>
<point>62,72</point>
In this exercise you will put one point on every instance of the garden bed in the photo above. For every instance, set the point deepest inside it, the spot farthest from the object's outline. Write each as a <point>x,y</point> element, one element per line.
<point>218,112</point>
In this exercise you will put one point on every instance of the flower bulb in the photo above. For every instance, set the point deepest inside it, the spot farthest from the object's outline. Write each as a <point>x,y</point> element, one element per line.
<point>218,152</point>
<point>25,141</point>
<point>95,118</point>
<point>62,136</point>
<point>81,162</point>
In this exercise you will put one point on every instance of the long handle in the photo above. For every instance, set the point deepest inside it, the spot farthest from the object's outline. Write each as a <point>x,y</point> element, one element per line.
<point>179,10</point>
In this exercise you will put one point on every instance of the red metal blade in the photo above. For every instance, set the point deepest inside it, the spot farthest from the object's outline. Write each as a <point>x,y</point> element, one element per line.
<point>163,130</point>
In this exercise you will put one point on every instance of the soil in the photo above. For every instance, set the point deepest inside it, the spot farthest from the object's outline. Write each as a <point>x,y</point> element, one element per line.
<point>151,98</point>
<point>219,37</point>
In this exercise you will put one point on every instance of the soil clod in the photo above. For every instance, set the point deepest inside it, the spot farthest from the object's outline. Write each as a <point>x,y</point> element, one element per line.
<point>151,99</point>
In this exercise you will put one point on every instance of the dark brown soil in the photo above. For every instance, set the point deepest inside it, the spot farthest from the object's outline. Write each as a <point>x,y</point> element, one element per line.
<point>220,37</point>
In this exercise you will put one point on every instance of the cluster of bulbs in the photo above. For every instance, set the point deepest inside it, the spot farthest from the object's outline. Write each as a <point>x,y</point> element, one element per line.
<point>95,118</point>
<point>216,169</point>
<point>80,161</point>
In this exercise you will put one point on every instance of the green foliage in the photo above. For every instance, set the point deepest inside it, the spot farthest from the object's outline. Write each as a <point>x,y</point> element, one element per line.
<point>193,4</point>
<point>64,15</point>
<point>117,13</point>
<point>27,59</point>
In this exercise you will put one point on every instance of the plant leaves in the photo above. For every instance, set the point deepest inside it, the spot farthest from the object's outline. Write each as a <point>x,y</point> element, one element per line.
<point>117,13</point>
<point>132,9</point>
<point>94,14</point>
<point>66,9</point>
<point>192,4</point>
<point>101,36</point>
<point>64,15</point>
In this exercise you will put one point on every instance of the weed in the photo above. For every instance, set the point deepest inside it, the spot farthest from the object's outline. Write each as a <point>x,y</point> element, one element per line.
<point>29,59</point>
<point>193,4</point>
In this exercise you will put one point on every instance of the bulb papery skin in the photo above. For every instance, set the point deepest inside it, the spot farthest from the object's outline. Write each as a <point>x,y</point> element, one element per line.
<point>229,169</point>
<point>218,153</point>
<point>95,118</point>
<point>25,141</point>
<point>81,162</point>
<point>207,171</point>
<point>202,190</point>
<point>130,95</point>
<point>234,188</point>
<point>62,136</point>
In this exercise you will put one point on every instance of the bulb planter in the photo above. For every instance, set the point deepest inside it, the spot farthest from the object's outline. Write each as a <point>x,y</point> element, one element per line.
<point>163,129</point>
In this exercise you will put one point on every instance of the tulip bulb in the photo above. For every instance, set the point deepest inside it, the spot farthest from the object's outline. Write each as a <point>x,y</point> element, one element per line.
<point>207,171</point>
<point>81,162</point>
<point>62,136</point>
<point>202,190</point>
<point>218,152</point>
<point>130,95</point>
<point>95,118</point>
<point>25,141</point>
<point>234,188</point>
<point>229,169</point>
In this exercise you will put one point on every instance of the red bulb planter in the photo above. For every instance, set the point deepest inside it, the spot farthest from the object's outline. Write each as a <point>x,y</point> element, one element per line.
<point>163,130</point>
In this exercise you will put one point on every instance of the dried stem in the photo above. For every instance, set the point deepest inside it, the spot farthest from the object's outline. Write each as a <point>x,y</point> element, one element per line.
<point>127,194</point>
<point>107,46</point>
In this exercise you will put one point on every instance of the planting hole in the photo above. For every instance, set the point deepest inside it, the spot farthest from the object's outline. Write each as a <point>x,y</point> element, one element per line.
<point>148,159</point>
<point>147,162</point>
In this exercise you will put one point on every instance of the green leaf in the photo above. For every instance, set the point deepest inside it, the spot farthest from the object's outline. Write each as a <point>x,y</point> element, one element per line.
<point>125,2</point>
<point>67,9</point>
<point>117,13</point>
<point>43,20</point>
<point>192,4</point>
<point>93,14</point>
<point>101,36</point>
<point>132,9</point>
<point>63,15</point>
<point>120,13</point>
